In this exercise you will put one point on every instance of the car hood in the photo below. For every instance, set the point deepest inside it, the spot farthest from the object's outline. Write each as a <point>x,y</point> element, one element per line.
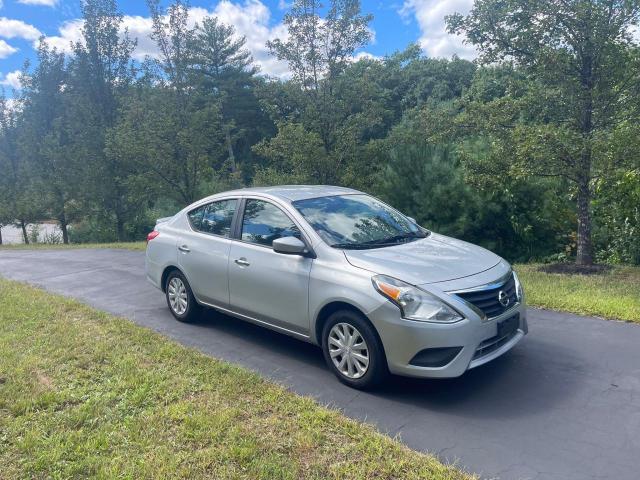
<point>436,258</point>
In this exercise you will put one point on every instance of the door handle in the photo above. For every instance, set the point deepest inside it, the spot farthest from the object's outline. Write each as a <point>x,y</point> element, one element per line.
<point>242,262</point>
<point>184,248</point>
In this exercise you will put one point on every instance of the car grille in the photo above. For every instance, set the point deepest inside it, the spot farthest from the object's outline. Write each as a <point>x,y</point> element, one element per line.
<point>487,300</point>
<point>492,344</point>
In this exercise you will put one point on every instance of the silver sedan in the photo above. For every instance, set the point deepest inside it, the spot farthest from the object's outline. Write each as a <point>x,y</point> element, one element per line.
<point>343,270</point>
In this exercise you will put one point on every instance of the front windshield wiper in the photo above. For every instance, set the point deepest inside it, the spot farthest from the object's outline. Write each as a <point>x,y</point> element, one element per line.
<point>383,242</point>
<point>353,246</point>
<point>397,238</point>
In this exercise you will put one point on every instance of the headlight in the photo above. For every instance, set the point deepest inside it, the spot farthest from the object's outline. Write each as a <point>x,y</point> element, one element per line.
<point>519,290</point>
<point>414,303</point>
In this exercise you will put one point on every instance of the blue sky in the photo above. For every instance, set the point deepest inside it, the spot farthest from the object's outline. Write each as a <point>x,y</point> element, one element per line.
<point>395,25</point>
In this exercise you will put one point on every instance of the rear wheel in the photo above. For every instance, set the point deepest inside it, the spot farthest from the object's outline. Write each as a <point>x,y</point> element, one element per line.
<point>353,351</point>
<point>180,299</point>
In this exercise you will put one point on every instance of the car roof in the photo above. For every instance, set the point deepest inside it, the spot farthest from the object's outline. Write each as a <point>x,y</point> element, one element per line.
<point>294,192</point>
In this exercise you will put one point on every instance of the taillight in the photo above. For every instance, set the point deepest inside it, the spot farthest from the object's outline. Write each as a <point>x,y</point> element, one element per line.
<point>152,235</point>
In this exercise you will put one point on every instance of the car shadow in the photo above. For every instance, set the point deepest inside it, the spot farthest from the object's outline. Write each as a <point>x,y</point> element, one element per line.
<point>521,382</point>
<point>261,338</point>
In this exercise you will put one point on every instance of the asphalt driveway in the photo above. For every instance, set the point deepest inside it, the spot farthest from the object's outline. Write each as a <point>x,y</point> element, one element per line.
<point>564,404</point>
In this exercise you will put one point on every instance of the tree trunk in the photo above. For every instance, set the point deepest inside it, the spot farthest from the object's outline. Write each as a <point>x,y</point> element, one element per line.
<point>62,217</point>
<point>584,255</point>
<point>64,229</point>
<point>119,228</point>
<point>583,174</point>
<point>232,157</point>
<point>119,209</point>
<point>25,237</point>
<point>0,234</point>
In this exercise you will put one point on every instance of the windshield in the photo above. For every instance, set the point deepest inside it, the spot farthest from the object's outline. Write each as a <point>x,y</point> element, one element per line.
<point>357,221</point>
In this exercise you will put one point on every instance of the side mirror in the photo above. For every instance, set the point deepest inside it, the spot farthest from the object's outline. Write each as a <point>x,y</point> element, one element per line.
<point>289,246</point>
<point>412,219</point>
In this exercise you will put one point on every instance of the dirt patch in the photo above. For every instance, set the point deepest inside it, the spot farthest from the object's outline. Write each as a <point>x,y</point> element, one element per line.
<point>44,380</point>
<point>573,269</point>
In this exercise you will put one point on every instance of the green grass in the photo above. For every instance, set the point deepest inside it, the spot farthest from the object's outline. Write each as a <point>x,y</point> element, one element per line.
<point>86,394</point>
<point>614,294</point>
<point>46,246</point>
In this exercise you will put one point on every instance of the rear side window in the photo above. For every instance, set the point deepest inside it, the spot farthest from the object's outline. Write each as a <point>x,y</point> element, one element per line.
<point>195,217</point>
<point>263,223</point>
<point>214,218</point>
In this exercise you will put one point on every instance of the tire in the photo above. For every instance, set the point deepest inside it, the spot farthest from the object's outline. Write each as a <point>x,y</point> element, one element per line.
<point>177,287</point>
<point>347,322</point>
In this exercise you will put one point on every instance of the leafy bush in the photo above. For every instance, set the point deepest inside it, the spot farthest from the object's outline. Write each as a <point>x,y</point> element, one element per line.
<point>34,233</point>
<point>624,246</point>
<point>617,219</point>
<point>91,230</point>
<point>52,238</point>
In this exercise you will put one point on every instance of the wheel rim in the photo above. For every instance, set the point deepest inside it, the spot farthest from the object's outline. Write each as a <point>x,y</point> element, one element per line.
<point>348,350</point>
<point>177,294</point>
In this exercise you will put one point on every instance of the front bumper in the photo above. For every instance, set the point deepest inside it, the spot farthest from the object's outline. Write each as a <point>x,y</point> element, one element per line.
<point>403,339</point>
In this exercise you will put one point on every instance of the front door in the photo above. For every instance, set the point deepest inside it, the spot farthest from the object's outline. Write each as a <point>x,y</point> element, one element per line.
<point>263,284</point>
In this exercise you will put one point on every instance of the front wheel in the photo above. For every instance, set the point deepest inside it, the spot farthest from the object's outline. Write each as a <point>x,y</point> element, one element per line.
<point>180,299</point>
<point>353,351</point>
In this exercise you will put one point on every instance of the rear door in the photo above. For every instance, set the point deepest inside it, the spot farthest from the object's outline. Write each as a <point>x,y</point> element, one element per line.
<point>203,250</point>
<point>263,284</point>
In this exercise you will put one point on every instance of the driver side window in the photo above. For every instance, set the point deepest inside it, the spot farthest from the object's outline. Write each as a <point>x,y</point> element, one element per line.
<point>263,223</point>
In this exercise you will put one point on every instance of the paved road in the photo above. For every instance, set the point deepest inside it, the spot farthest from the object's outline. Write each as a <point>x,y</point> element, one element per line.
<point>564,404</point>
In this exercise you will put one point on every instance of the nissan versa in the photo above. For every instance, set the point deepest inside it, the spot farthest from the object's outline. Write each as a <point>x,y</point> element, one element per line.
<point>341,269</point>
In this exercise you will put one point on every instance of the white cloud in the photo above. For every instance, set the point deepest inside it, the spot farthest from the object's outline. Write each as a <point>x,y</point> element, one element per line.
<point>140,28</point>
<point>12,79</point>
<point>13,104</point>
<point>373,40</point>
<point>6,49</point>
<point>69,32</point>
<point>10,28</point>
<point>366,55</point>
<point>250,18</point>
<point>434,39</point>
<point>46,3</point>
<point>634,30</point>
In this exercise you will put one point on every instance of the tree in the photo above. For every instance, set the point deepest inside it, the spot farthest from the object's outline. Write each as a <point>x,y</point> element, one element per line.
<point>222,66</point>
<point>580,66</point>
<point>516,217</point>
<point>427,182</point>
<point>6,153</point>
<point>100,75</point>
<point>170,128</point>
<point>18,198</point>
<point>171,144</point>
<point>318,50</point>
<point>318,103</point>
<point>5,210</point>
<point>296,156</point>
<point>47,138</point>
